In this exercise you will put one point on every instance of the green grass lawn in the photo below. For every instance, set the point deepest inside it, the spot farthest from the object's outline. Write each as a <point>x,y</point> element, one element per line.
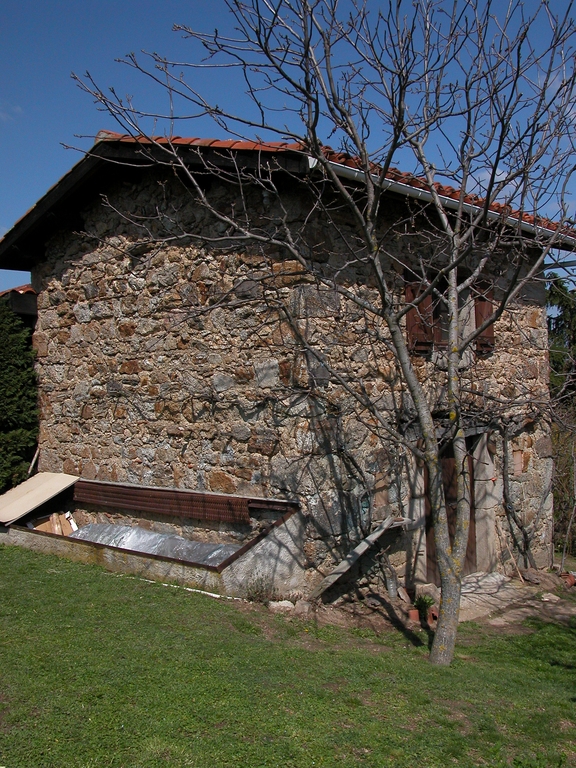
<point>101,671</point>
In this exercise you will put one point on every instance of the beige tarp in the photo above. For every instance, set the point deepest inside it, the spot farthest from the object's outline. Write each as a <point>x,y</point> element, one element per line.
<point>30,494</point>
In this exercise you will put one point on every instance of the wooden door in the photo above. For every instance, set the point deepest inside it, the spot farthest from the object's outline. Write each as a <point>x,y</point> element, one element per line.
<point>450,490</point>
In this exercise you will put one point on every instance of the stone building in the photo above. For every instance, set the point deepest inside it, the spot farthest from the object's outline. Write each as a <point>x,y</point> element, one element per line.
<point>171,355</point>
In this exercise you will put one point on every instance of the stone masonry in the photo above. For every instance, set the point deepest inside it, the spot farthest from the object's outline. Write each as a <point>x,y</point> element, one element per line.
<point>177,365</point>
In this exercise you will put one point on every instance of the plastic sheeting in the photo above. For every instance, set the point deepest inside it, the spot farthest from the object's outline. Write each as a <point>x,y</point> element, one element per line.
<point>165,544</point>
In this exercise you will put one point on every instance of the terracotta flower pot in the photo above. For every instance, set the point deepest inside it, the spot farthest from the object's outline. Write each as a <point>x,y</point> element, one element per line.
<point>568,579</point>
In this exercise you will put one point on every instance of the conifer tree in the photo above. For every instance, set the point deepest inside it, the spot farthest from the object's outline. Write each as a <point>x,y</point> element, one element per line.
<point>18,399</point>
<point>562,336</point>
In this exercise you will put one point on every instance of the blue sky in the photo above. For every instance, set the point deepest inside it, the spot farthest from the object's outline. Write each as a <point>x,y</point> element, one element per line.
<point>41,108</point>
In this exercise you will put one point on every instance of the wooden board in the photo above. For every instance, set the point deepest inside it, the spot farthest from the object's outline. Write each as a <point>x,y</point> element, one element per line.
<point>31,494</point>
<point>56,527</point>
<point>65,525</point>
<point>355,555</point>
<point>42,524</point>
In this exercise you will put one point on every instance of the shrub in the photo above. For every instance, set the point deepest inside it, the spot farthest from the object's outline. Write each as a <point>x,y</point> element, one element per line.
<point>260,589</point>
<point>423,603</point>
<point>18,399</point>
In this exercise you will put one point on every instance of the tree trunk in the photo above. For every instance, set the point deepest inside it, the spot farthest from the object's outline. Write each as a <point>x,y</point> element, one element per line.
<point>450,570</point>
<point>445,638</point>
<point>452,554</point>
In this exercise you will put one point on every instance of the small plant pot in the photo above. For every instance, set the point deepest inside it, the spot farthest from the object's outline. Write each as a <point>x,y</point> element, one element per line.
<point>414,614</point>
<point>424,604</point>
<point>568,579</point>
<point>432,614</point>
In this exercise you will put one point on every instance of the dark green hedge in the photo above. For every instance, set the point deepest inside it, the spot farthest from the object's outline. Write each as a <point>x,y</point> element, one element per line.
<point>18,399</point>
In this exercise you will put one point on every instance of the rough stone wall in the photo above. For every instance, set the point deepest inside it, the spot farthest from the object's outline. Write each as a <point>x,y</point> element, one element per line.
<point>172,365</point>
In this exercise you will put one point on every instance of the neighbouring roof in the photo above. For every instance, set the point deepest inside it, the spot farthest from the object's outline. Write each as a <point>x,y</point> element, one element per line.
<point>21,289</point>
<point>22,246</point>
<point>23,300</point>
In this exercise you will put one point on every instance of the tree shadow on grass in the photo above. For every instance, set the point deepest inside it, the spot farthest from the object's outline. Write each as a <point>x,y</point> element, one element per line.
<point>397,621</point>
<point>551,642</point>
<point>555,663</point>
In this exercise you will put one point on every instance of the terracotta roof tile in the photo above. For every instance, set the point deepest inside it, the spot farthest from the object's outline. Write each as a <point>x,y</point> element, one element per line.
<point>236,144</point>
<point>342,158</point>
<point>405,177</point>
<point>19,289</point>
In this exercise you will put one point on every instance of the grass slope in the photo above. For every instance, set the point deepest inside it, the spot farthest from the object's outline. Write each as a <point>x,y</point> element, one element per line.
<point>100,671</point>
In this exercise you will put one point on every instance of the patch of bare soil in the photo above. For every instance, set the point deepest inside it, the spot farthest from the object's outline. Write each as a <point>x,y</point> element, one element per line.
<point>381,615</point>
<point>378,614</point>
<point>375,613</point>
<point>550,601</point>
<point>546,607</point>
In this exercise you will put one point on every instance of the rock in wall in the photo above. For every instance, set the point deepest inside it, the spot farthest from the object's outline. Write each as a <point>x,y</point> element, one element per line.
<point>175,364</point>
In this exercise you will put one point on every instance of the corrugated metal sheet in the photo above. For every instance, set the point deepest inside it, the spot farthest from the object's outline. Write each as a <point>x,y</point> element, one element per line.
<point>179,503</point>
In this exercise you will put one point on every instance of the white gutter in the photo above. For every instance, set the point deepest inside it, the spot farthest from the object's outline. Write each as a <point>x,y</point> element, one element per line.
<point>448,202</point>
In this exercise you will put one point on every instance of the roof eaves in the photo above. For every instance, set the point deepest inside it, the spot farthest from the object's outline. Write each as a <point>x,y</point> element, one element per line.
<point>43,206</point>
<point>416,188</point>
<point>238,145</point>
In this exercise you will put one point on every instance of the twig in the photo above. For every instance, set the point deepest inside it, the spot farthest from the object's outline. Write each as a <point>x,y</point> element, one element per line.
<point>33,462</point>
<point>502,536</point>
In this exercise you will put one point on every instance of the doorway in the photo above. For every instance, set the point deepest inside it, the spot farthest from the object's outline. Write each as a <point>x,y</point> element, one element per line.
<point>450,490</point>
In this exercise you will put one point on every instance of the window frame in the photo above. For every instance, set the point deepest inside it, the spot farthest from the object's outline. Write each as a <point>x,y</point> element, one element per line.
<point>423,321</point>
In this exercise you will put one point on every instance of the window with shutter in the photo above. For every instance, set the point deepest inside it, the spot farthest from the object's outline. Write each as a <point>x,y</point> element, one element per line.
<point>419,320</point>
<point>427,323</point>
<point>483,308</point>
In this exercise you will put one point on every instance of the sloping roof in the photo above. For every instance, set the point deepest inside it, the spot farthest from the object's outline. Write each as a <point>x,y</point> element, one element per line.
<point>21,289</point>
<point>238,145</point>
<point>344,159</point>
<point>112,155</point>
<point>115,153</point>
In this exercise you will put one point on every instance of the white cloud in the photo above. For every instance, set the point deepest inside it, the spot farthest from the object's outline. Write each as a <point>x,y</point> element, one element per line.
<point>9,112</point>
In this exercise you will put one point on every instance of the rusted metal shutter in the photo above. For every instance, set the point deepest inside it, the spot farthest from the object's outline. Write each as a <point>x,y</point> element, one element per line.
<point>164,501</point>
<point>175,502</point>
<point>483,309</point>
<point>419,320</point>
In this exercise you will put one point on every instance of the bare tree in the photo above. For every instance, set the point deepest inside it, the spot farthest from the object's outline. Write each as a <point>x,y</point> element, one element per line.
<point>478,95</point>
